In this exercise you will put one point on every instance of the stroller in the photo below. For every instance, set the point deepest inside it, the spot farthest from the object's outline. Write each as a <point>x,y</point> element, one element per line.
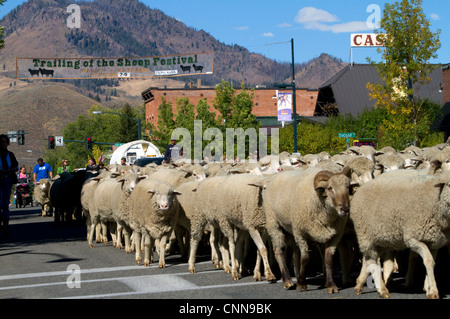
<point>23,195</point>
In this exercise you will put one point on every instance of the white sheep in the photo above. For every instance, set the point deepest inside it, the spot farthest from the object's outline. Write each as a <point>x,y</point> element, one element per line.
<point>41,195</point>
<point>232,202</point>
<point>311,204</point>
<point>153,212</point>
<point>399,210</point>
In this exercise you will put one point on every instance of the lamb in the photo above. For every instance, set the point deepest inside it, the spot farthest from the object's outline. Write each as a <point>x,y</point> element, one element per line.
<point>42,197</point>
<point>398,210</point>
<point>153,212</point>
<point>311,204</point>
<point>229,203</point>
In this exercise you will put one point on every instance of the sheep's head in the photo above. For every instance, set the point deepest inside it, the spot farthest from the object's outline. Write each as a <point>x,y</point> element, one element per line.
<point>163,195</point>
<point>335,188</point>
<point>129,181</point>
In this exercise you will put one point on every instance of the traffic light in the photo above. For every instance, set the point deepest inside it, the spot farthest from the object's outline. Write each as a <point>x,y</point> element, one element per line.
<point>51,142</point>
<point>89,143</point>
<point>20,137</point>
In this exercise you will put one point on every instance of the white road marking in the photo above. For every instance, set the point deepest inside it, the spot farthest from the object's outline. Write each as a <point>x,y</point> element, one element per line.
<point>147,284</point>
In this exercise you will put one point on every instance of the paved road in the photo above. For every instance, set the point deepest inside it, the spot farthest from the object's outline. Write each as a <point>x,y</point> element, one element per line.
<point>42,260</point>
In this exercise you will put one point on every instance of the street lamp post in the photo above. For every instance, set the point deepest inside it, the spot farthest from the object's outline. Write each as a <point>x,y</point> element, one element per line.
<point>138,120</point>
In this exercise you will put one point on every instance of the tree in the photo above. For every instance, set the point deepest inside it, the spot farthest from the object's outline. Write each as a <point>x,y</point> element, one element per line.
<point>2,42</point>
<point>160,134</point>
<point>128,129</point>
<point>409,44</point>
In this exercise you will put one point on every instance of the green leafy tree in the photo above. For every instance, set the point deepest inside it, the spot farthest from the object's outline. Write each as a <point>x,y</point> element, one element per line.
<point>409,44</point>
<point>160,134</point>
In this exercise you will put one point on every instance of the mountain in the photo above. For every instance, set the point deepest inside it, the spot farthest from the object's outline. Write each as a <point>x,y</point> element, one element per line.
<point>118,28</point>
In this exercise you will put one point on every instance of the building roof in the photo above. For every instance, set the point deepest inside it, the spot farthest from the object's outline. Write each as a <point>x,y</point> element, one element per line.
<point>347,92</point>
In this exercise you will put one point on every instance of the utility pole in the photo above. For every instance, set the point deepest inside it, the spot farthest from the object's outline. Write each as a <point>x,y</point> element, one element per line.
<point>294,104</point>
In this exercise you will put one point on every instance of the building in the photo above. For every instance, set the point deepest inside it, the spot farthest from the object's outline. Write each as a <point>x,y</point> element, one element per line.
<point>265,103</point>
<point>443,124</point>
<point>347,92</point>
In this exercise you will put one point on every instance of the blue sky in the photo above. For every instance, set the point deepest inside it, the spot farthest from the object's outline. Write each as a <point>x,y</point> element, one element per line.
<point>266,26</point>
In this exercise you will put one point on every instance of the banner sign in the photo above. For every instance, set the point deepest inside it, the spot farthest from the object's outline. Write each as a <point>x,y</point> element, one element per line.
<point>366,40</point>
<point>284,103</point>
<point>131,67</point>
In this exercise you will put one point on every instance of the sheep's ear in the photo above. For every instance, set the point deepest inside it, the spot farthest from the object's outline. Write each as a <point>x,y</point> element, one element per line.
<point>152,191</point>
<point>140,178</point>
<point>176,192</point>
<point>347,171</point>
<point>436,163</point>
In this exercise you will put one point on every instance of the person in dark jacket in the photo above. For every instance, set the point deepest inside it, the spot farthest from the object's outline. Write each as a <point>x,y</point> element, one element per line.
<point>8,168</point>
<point>171,149</point>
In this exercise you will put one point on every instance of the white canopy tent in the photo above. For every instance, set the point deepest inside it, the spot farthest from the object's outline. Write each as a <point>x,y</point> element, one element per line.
<point>134,150</point>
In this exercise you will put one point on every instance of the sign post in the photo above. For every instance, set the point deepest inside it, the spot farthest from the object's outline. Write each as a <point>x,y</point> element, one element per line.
<point>347,136</point>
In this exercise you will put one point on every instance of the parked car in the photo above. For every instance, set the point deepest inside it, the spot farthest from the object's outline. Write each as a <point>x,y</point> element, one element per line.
<point>147,160</point>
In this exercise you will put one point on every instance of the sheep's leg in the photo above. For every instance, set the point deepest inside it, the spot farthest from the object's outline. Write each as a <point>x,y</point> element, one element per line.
<point>113,232</point>
<point>137,242</point>
<point>240,243</point>
<point>213,237</point>
<point>91,233</point>
<point>148,245</point>
<point>119,236</point>
<point>412,262</point>
<point>388,266</point>
<point>224,251</point>
<point>329,284</point>
<point>279,247</point>
<point>104,232</point>
<point>228,232</point>
<point>304,260</point>
<point>126,234</point>
<point>254,233</point>
<point>162,251</point>
<point>428,261</point>
<point>362,278</point>
<point>98,233</point>
<point>196,236</point>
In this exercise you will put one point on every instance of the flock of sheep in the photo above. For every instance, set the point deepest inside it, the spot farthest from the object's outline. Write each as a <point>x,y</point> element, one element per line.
<point>362,202</point>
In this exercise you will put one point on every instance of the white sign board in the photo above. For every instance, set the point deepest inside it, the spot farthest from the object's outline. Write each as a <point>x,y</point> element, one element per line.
<point>366,40</point>
<point>59,141</point>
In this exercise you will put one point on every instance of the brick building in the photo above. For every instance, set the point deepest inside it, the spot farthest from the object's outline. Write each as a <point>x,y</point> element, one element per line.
<point>265,104</point>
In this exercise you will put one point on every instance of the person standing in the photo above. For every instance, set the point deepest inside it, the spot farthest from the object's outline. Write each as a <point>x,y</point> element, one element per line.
<point>92,166</point>
<point>172,147</point>
<point>65,167</point>
<point>8,168</point>
<point>42,170</point>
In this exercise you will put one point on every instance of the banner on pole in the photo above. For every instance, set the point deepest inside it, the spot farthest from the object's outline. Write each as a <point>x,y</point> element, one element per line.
<point>123,67</point>
<point>284,103</point>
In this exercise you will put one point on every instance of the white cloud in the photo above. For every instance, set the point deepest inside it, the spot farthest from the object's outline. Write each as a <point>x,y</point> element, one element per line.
<point>243,28</point>
<point>284,25</point>
<point>317,19</point>
<point>311,14</point>
<point>268,34</point>
<point>435,16</point>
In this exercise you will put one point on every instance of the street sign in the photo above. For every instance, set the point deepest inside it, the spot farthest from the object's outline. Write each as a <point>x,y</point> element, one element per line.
<point>59,141</point>
<point>12,136</point>
<point>347,135</point>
